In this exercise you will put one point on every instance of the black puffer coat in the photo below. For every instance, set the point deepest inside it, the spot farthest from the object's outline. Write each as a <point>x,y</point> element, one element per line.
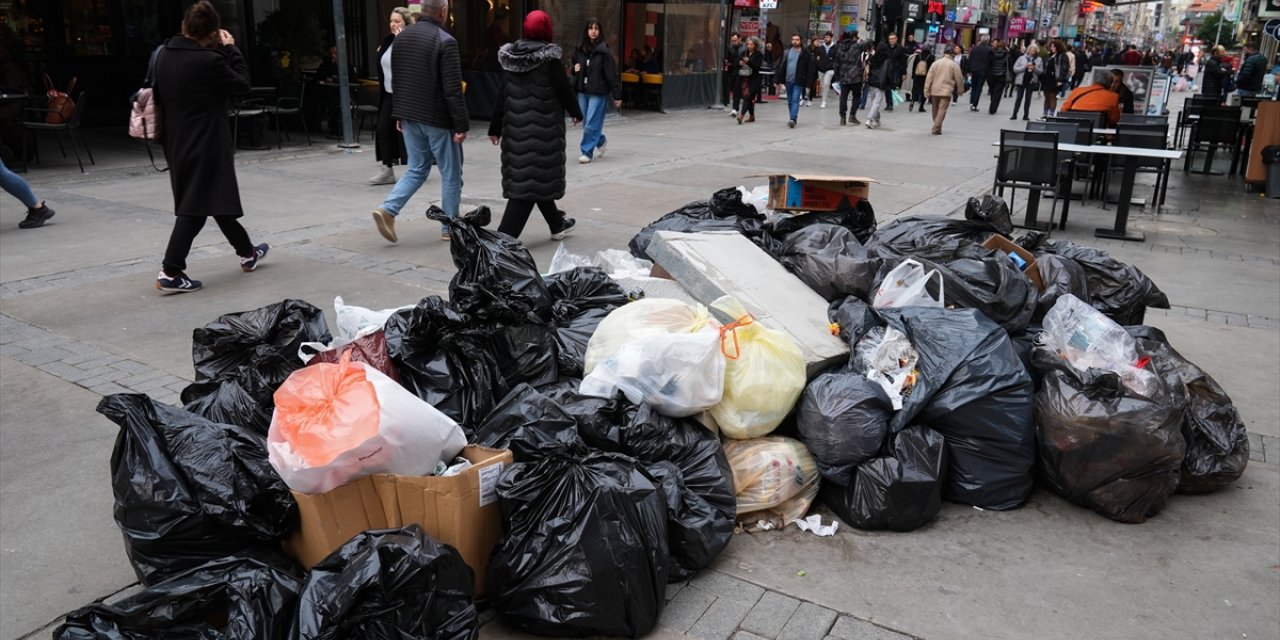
<point>599,74</point>
<point>529,118</point>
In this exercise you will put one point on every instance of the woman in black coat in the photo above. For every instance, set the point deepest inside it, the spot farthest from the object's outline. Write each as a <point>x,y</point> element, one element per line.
<point>389,144</point>
<point>529,124</point>
<point>749,79</point>
<point>196,73</point>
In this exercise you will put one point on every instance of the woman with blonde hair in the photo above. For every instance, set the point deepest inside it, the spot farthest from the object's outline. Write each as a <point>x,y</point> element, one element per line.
<point>1026,80</point>
<point>389,143</point>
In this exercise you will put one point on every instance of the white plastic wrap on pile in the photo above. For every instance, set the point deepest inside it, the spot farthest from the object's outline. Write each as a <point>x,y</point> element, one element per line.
<point>639,319</point>
<point>335,423</point>
<point>757,198</point>
<point>678,374</point>
<point>1088,339</point>
<point>350,324</point>
<point>886,357</point>
<point>614,262</point>
<point>764,375</point>
<point>773,474</point>
<point>906,286</point>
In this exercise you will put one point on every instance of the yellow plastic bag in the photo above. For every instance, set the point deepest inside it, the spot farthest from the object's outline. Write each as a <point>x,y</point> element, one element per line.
<point>764,375</point>
<point>642,318</point>
<point>773,474</point>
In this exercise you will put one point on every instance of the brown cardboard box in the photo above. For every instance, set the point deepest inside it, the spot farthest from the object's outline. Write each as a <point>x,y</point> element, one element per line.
<point>460,510</point>
<point>997,241</point>
<point>796,192</point>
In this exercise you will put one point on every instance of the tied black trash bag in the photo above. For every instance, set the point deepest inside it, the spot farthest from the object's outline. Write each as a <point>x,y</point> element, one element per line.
<point>530,424</point>
<point>1217,443</point>
<point>843,419</point>
<point>992,210</point>
<point>526,352</point>
<point>585,547</point>
<point>389,584</point>
<point>229,598</point>
<point>900,490</point>
<point>860,219</point>
<point>725,211</point>
<point>188,490</point>
<point>1120,291</point>
<point>1103,446</point>
<point>986,281</point>
<point>932,237</point>
<point>242,358</point>
<point>831,261</point>
<point>972,389</point>
<point>497,279</point>
<point>1061,276</point>
<point>582,296</point>
<point>854,317</point>
<point>445,359</point>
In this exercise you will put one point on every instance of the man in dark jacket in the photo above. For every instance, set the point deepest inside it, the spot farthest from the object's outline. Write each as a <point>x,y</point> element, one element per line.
<point>794,69</point>
<point>979,66</point>
<point>1252,69</point>
<point>826,63</point>
<point>732,54</point>
<point>897,57</point>
<point>997,74</point>
<point>431,111</point>
<point>850,73</point>
<point>1216,73</point>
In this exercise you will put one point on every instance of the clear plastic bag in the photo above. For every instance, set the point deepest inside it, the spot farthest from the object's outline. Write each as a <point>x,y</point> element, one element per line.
<point>335,423</point>
<point>1086,338</point>
<point>680,375</point>
<point>565,261</point>
<point>351,324</point>
<point>646,317</point>
<point>907,286</point>
<point>757,197</point>
<point>764,375</point>
<point>620,264</point>
<point>773,474</point>
<point>886,357</point>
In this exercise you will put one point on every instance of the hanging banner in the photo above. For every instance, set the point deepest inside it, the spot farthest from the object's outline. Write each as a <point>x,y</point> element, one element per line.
<point>749,27</point>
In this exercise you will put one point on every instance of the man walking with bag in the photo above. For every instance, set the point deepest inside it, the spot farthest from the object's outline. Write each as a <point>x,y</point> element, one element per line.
<point>431,112</point>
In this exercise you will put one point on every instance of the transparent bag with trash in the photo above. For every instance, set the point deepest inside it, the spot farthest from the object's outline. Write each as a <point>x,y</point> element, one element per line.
<point>615,262</point>
<point>764,374</point>
<point>1086,338</point>
<point>335,423</point>
<point>646,317</point>
<point>908,286</point>
<point>775,475</point>
<point>886,357</point>
<point>680,374</point>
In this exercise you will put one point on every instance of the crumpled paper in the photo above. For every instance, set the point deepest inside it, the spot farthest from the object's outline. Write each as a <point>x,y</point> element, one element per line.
<point>813,524</point>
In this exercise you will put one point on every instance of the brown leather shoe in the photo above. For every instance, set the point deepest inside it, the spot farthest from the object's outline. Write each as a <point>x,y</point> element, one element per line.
<point>751,118</point>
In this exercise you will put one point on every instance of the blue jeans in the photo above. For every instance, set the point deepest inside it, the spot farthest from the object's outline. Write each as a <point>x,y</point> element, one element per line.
<point>16,186</point>
<point>424,143</point>
<point>593,108</point>
<point>793,98</point>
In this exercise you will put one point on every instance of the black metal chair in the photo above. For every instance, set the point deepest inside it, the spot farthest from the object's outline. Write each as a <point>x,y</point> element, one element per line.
<point>1029,160</point>
<point>366,105</point>
<point>1134,118</point>
<point>1098,119</point>
<point>288,104</point>
<point>1250,105</point>
<point>1143,137</point>
<point>1194,106</point>
<point>72,127</point>
<point>1075,132</point>
<point>1216,127</point>
<point>245,109</point>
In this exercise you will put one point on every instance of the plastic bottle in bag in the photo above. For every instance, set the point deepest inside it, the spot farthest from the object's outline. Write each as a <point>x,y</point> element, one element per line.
<point>646,317</point>
<point>1086,338</point>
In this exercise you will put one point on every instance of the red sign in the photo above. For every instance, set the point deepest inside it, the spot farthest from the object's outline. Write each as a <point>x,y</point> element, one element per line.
<point>745,3</point>
<point>1088,7</point>
<point>936,7</point>
<point>1017,26</point>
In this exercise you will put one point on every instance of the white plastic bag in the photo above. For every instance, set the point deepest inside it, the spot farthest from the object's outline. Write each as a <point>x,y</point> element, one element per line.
<point>639,319</point>
<point>757,197</point>
<point>565,261</point>
<point>354,322</point>
<point>679,374</point>
<point>887,358</point>
<point>620,264</point>
<point>906,286</point>
<point>335,423</point>
<point>764,375</point>
<point>1088,339</point>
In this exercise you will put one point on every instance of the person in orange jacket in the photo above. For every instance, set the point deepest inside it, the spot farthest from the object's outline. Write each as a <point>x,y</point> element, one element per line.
<point>1099,96</point>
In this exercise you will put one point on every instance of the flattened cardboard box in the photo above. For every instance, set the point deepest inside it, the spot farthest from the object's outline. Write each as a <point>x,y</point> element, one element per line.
<point>800,192</point>
<point>460,510</point>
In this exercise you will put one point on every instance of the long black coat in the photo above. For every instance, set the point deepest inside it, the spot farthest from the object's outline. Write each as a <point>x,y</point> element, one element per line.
<point>192,86</point>
<point>529,117</point>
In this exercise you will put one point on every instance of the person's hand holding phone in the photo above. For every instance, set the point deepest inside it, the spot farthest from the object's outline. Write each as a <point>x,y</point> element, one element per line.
<point>225,37</point>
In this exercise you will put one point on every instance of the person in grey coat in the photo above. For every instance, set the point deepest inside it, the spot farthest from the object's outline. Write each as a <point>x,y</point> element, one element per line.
<point>195,74</point>
<point>528,123</point>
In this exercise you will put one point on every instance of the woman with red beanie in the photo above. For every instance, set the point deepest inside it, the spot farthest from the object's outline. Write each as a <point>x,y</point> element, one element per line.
<point>528,123</point>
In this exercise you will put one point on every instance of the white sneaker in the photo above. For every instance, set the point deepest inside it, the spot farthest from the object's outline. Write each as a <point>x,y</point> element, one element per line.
<point>600,149</point>
<point>733,114</point>
<point>584,160</point>
<point>823,105</point>
<point>386,176</point>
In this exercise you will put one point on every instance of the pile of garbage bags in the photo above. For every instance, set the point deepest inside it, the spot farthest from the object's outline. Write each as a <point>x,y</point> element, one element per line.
<point>646,431</point>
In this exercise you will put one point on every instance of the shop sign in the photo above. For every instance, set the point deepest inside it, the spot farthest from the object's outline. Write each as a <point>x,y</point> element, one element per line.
<point>768,4</point>
<point>1017,26</point>
<point>968,15</point>
<point>749,27</point>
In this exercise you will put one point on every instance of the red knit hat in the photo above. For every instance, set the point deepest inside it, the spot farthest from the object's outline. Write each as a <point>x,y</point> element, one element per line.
<point>537,26</point>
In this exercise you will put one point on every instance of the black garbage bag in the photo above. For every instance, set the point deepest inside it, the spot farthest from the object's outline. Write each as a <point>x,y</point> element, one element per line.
<point>583,297</point>
<point>702,527</point>
<point>446,359</point>
<point>989,283</point>
<point>854,317</point>
<point>1102,445</point>
<point>497,279</point>
<point>1024,342</point>
<point>932,237</point>
<point>1120,291</point>
<point>188,490</point>
<point>1061,276</point>
<point>530,424</point>
<point>389,584</point>
<point>843,419</point>
<point>687,515</point>
<point>992,210</point>
<point>831,261</point>
<point>860,219</point>
<point>527,352</point>
<point>228,598</point>
<point>1217,443</point>
<point>725,211</point>
<point>253,352</point>
<point>585,547</point>
<point>973,389</point>
<point>600,420</point>
<point>900,490</point>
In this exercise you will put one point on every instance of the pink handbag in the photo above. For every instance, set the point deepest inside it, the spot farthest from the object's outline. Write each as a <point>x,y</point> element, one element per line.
<point>144,121</point>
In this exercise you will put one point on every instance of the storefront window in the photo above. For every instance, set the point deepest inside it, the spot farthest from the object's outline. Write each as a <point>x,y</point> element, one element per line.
<point>88,27</point>
<point>691,38</point>
<point>143,31</point>
<point>26,24</point>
